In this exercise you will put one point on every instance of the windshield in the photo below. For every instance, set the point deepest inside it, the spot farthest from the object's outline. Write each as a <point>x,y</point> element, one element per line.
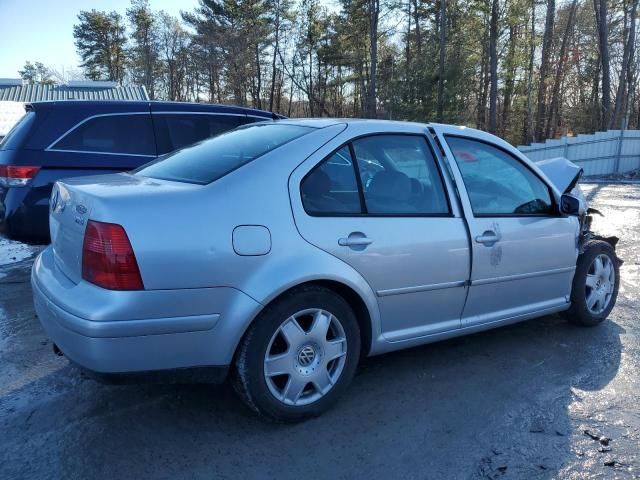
<point>211,159</point>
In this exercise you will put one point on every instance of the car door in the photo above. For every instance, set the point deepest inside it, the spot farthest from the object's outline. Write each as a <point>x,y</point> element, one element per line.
<point>524,252</point>
<point>389,216</point>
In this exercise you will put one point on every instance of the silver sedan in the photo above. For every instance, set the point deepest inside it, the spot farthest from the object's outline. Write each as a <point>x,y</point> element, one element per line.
<point>283,252</point>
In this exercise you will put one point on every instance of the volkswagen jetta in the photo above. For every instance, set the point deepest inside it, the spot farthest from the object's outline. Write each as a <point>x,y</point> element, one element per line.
<point>283,252</point>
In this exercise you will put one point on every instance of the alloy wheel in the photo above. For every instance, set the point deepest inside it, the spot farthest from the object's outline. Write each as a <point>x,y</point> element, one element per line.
<point>600,284</point>
<point>305,357</point>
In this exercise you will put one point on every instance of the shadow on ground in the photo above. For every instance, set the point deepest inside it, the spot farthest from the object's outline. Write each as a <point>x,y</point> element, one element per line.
<point>483,406</point>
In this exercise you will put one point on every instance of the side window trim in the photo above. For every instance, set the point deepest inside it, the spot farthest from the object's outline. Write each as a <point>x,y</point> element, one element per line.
<point>51,147</point>
<point>356,168</point>
<point>554,204</point>
<point>363,213</point>
<point>441,164</point>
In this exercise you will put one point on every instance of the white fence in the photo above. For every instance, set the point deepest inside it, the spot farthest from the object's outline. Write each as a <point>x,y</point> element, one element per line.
<point>614,151</point>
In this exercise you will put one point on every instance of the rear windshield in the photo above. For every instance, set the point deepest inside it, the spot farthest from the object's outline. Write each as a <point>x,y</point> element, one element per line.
<point>19,132</point>
<point>211,159</point>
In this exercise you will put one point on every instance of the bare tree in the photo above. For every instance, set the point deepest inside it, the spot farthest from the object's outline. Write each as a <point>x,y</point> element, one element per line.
<point>544,68</point>
<point>442,25</point>
<point>493,66</point>
<point>373,12</point>
<point>602,25</point>
<point>626,70</point>
<point>528,119</point>
<point>560,68</point>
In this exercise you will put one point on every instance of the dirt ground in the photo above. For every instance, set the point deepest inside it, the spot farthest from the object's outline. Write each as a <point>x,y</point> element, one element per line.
<point>541,399</point>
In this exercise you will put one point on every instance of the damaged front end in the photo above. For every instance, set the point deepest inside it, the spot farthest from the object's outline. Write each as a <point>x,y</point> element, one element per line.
<point>565,175</point>
<point>587,234</point>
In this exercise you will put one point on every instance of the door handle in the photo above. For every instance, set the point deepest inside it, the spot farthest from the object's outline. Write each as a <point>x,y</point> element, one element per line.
<point>488,237</point>
<point>351,242</point>
<point>355,241</point>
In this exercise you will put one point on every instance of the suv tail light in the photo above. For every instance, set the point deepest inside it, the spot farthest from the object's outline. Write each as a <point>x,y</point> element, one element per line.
<point>16,175</point>
<point>108,259</point>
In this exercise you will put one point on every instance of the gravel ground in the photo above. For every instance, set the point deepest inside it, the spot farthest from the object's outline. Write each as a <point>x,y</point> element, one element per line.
<point>541,399</point>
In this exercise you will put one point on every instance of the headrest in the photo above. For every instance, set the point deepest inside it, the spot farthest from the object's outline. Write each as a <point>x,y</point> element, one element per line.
<point>391,184</point>
<point>317,184</point>
<point>416,186</point>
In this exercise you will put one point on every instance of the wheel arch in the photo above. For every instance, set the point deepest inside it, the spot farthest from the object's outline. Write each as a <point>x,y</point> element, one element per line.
<point>363,313</point>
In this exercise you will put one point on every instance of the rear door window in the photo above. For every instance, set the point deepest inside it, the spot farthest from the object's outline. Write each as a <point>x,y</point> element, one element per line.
<point>174,131</point>
<point>399,176</point>
<point>125,134</point>
<point>207,161</point>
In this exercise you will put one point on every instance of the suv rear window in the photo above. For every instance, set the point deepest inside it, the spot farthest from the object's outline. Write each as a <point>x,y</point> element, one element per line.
<point>211,159</point>
<point>125,134</point>
<point>19,132</point>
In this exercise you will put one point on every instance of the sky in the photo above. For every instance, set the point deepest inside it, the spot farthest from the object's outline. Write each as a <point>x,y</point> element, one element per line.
<point>42,30</point>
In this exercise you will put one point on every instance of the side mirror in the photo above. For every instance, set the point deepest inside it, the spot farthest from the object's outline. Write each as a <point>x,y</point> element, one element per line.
<point>570,205</point>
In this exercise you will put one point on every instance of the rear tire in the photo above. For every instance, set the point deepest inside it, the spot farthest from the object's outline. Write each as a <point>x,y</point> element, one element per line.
<point>299,356</point>
<point>595,284</point>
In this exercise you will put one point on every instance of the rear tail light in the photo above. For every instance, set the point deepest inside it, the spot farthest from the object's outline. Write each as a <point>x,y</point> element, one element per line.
<point>16,175</point>
<point>108,259</point>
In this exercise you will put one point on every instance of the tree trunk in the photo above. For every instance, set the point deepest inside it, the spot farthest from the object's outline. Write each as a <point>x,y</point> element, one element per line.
<point>275,53</point>
<point>560,70</point>
<point>310,92</point>
<point>631,77</point>
<point>595,111</point>
<point>374,16</point>
<point>416,15</point>
<point>625,70</point>
<point>544,69</point>
<point>442,26</point>
<point>510,78</point>
<point>493,62</point>
<point>258,76</point>
<point>482,94</point>
<point>600,7</point>
<point>408,92</point>
<point>528,122</point>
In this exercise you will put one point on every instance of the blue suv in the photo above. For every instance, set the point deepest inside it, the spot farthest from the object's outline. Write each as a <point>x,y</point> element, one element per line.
<point>56,140</point>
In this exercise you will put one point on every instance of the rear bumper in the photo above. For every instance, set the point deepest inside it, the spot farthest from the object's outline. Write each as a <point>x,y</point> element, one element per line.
<point>123,332</point>
<point>215,374</point>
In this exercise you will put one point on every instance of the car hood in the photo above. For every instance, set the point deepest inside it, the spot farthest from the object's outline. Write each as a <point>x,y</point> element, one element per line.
<point>563,173</point>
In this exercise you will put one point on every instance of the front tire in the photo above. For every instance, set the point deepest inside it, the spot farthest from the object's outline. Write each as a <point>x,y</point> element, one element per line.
<point>595,284</point>
<point>299,356</point>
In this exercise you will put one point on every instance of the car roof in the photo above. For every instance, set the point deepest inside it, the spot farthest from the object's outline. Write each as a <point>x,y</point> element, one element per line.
<point>154,106</point>
<point>327,122</point>
<point>376,124</point>
<point>365,125</point>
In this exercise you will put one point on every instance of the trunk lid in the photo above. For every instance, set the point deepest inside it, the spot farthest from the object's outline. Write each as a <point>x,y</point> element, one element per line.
<point>76,200</point>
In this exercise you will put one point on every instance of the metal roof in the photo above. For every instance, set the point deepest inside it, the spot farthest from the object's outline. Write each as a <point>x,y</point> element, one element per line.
<point>40,93</point>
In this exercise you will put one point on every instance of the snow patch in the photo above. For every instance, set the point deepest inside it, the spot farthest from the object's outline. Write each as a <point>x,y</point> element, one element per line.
<point>13,252</point>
